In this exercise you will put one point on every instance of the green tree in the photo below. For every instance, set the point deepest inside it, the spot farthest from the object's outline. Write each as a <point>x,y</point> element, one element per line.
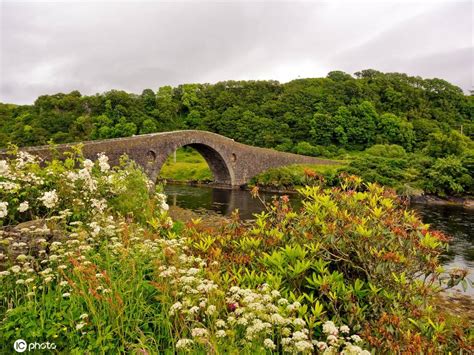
<point>448,176</point>
<point>441,145</point>
<point>394,130</point>
<point>148,126</point>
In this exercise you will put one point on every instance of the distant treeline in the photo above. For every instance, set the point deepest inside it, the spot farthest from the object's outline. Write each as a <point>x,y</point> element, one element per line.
<point>304,115</point>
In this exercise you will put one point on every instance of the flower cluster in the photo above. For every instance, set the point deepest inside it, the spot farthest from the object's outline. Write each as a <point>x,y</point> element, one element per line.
<point>162,201</point>
<point>49,199</point>
<point>254,319</point>
<point>339,340</point>
<point>31,188</point>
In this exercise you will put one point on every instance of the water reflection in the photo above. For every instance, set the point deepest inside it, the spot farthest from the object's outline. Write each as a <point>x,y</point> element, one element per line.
<point>222,201</point>
<point>457,222</point>
<point>454,221</point>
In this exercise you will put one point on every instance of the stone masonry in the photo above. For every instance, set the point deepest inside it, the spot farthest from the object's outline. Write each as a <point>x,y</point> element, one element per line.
<point>232,164</point>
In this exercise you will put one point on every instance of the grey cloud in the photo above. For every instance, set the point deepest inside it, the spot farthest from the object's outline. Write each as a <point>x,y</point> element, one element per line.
<point>433,44</point>
<point>93,47</point>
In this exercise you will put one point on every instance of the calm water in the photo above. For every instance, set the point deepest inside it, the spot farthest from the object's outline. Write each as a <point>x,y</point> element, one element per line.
<point>455,221</point>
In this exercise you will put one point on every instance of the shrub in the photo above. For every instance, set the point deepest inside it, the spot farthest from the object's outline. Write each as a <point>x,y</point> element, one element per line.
<point>448,176</point>
<point>441,145</point>
<point>306,148</point>
<point>354,257</point>
<point>386,151</point>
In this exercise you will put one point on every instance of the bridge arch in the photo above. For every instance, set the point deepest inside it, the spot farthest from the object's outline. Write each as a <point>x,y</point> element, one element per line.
<point>220,164</point>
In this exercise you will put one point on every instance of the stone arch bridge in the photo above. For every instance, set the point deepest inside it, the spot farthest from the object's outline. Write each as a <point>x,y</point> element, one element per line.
<point>232,164</point>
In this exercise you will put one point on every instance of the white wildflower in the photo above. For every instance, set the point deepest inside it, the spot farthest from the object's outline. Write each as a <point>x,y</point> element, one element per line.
<point>103,162</point>
<point>220,333</point>
<point>49,199</point>
<point>332,339</point>
<point>220,323</point>
<point>88,164</point>
<point>183,344</point>
<point>330,328</point>
<point>4,168</point>
<point>298,322</point>
<point>303,346</point>
<point>321,345</point>
<point>23,206</point>
<point>282,302</point>
<point>344,329</point>
<point>277,319</point>
<point>80,325</point>
<point>175,307</point>
<point>275,294</point>
<point>3,209</point>
<point>194,309</point>
<point>199,332</point>
<point>299,335</point>
<point>269,344</point>
<point>211,310</point>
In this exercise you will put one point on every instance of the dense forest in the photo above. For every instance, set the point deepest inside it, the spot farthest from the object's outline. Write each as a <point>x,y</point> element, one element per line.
<point>319,116</point>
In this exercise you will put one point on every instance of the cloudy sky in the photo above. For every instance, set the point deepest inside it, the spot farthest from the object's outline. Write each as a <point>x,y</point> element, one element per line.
<point>95,46</point>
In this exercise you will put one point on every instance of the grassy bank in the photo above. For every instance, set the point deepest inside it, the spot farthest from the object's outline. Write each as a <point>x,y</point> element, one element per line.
<point>189,166</point>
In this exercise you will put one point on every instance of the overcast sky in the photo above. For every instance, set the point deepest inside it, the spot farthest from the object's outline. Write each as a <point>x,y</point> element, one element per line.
<point>95,46</point>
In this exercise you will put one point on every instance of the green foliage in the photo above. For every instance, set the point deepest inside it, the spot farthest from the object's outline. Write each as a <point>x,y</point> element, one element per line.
<point>389,166</point>
<point>292,176</point>
<point>448,176</point>
<point>306,148</point>
<point>442,145</point>
<point>351,254</point>
<point>394,130</point>
<point>339,109</point>
<point>386,151</point>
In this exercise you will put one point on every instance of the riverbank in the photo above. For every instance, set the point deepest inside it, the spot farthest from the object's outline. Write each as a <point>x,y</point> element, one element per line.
<point>466,202</point>
<point>408,180</point>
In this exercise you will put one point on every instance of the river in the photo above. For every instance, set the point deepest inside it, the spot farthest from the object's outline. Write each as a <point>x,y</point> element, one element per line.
<point>458,222</point>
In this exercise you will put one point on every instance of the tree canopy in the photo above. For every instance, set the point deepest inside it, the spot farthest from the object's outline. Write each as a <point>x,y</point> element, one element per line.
<point>353,112</point>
